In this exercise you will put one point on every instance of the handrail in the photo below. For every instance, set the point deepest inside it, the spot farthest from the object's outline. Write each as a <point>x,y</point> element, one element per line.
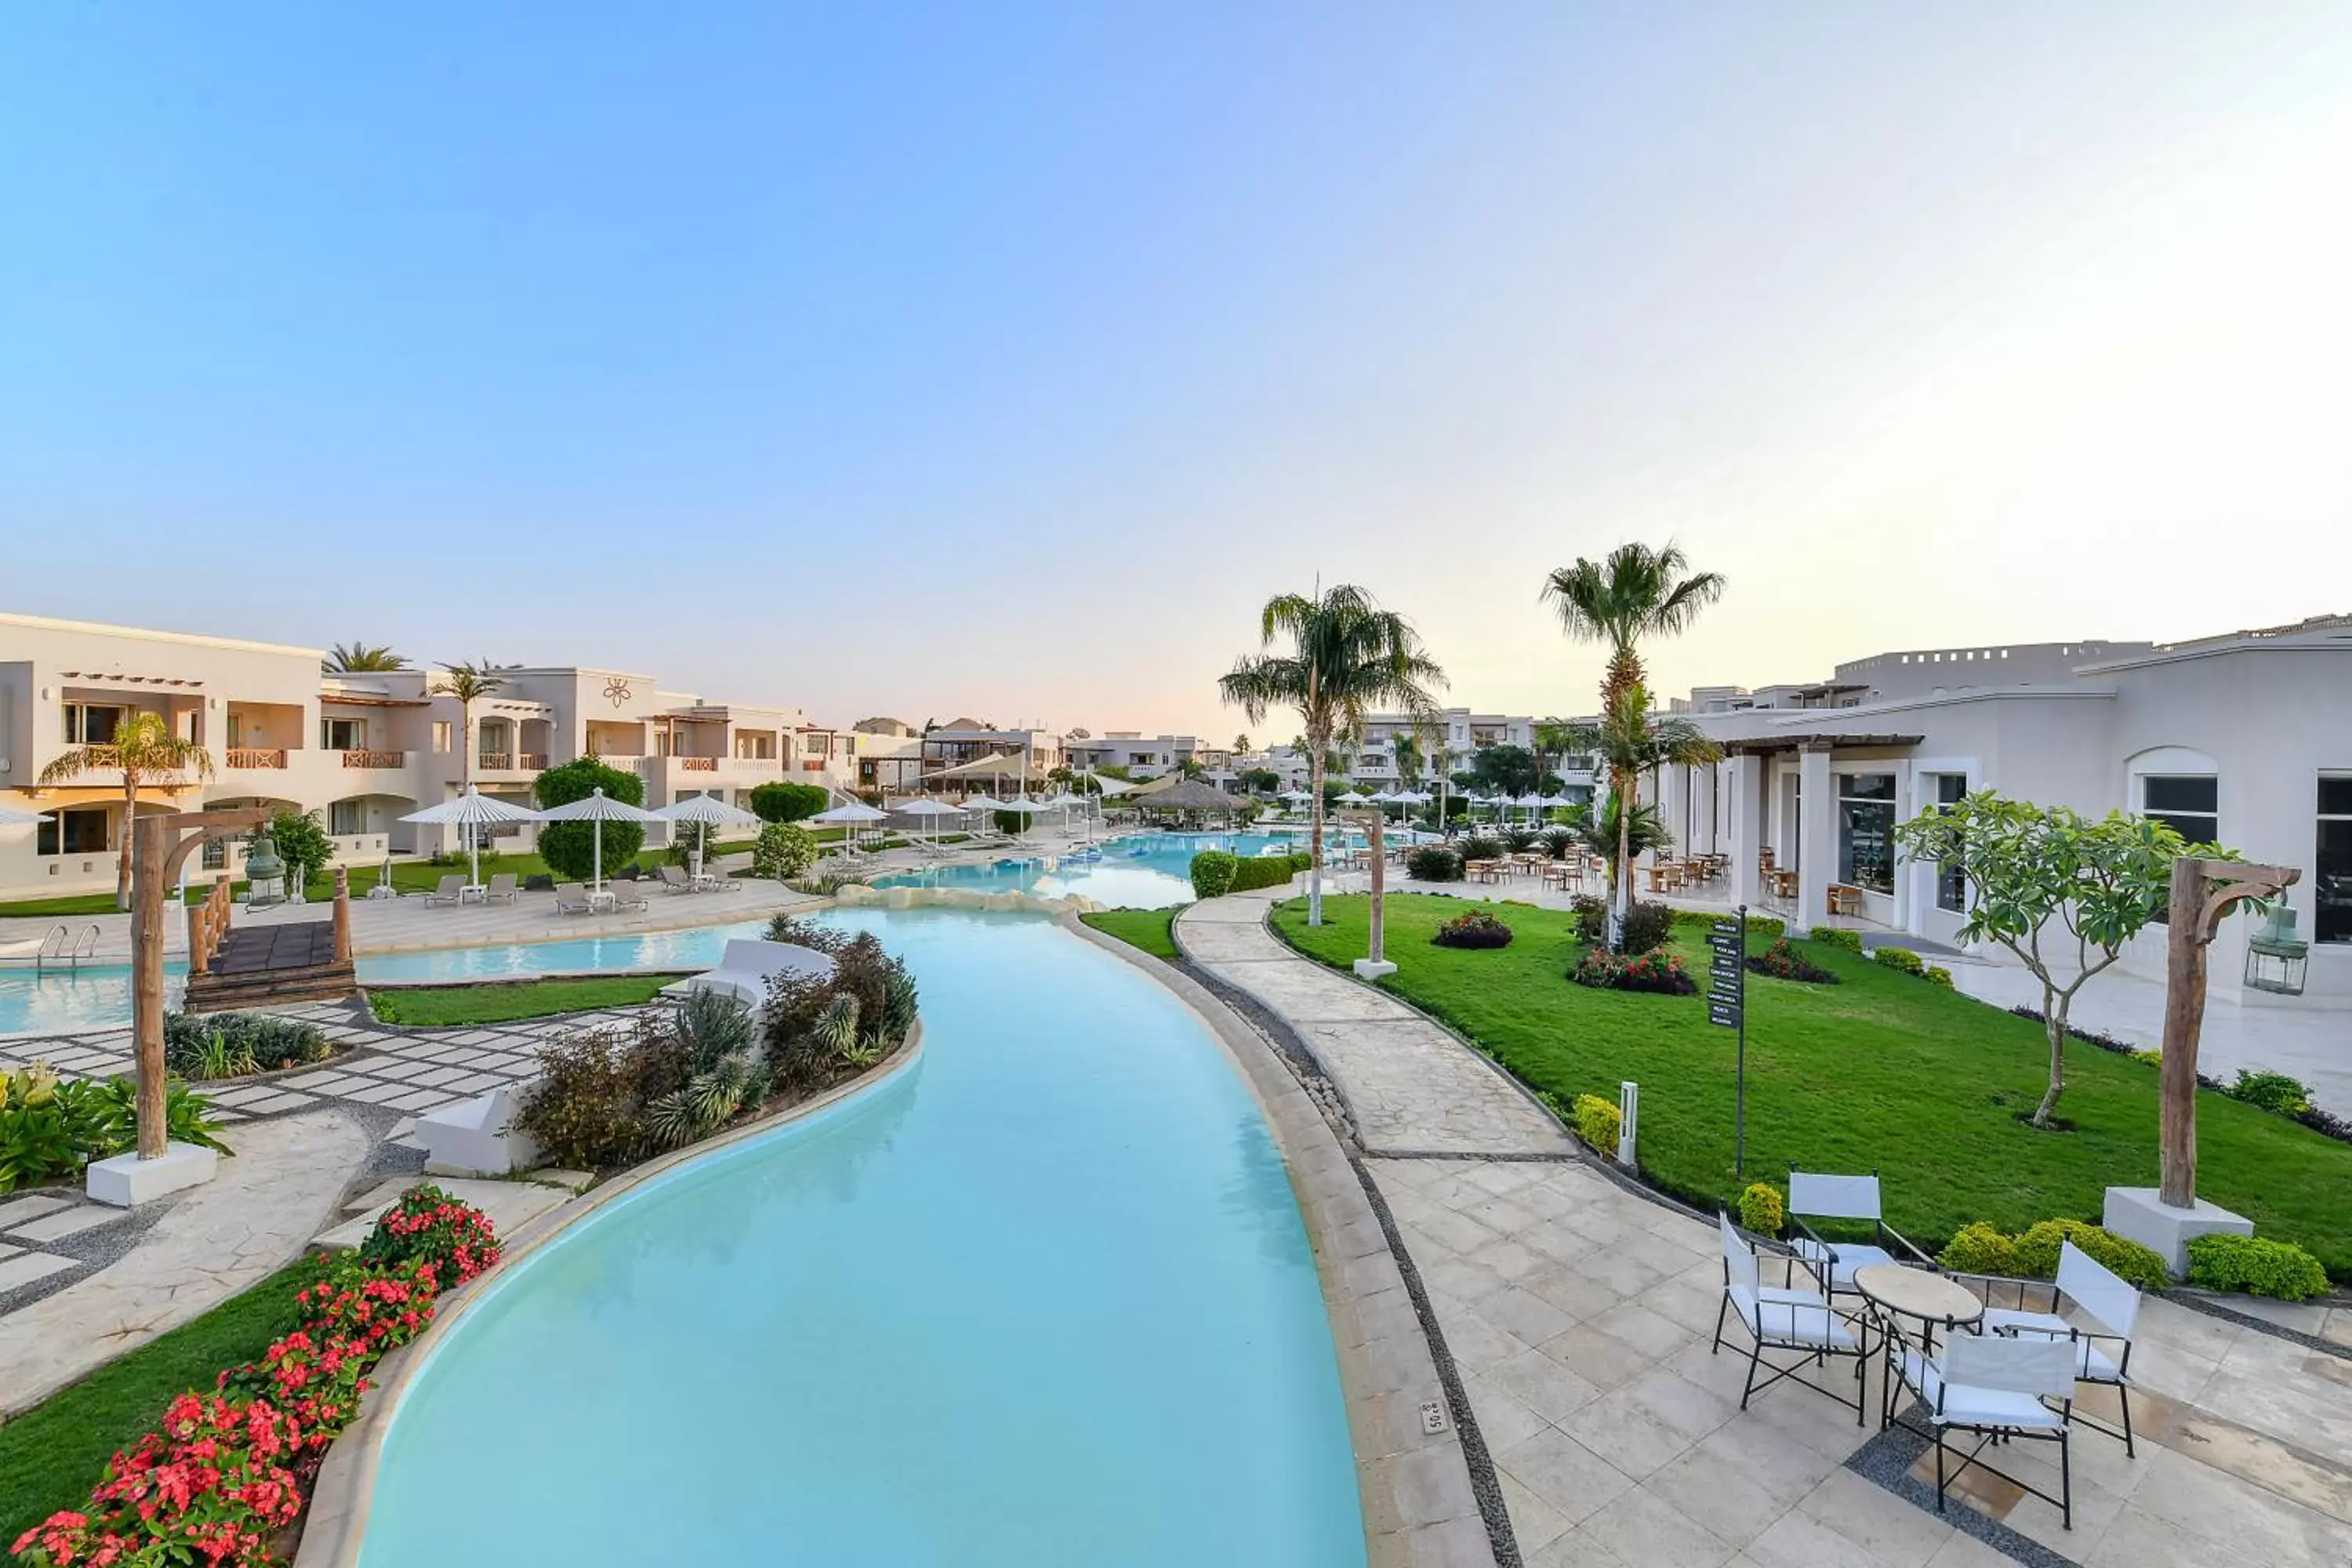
<point>242,757</point>
<point>61,944</point>
<point>361,757</point>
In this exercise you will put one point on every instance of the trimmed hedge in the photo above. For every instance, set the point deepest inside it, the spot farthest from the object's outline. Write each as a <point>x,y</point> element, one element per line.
<point>1212,873</point>
<point>2256,1266</point>
<point>1266,872</point>
<point>1761,1210</point>
<point>1433,863</point>
<point>1838,936</point>
<point>1597,1122</point>
<point>1901,959</point>
<point>2033,1254</point>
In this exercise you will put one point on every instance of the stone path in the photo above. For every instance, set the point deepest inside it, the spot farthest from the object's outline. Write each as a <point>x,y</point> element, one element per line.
<point>1582,1316</point>
<point>256,1217</point>
<point>1411,1088</point>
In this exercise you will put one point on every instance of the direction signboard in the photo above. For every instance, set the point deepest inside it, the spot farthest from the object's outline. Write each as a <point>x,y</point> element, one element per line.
<point>1727,1008</point>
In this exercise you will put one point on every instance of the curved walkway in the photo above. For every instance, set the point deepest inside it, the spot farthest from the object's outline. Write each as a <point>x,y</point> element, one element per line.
<point>1411,1088</point>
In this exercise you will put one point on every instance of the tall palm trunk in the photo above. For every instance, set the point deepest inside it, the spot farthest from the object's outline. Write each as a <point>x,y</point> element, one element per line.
<point>122,861</point>
<point>1624,673</point>
<point>1315,827</point>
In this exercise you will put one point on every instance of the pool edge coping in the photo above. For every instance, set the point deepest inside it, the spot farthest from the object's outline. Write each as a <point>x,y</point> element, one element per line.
<point>335,1522</point>
<point>1388,1368</point>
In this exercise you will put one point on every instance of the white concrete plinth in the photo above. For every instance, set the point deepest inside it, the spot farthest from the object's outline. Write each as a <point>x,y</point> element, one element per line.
<point>2138,1213</point>
<point>1373,968</point>
<point>127,1181</point>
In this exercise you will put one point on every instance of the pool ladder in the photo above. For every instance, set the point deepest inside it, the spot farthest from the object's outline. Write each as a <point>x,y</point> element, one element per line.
<point>61,946</point>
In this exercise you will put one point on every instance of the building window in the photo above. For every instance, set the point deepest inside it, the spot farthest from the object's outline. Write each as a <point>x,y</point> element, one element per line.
<point>90,724</point>
<point>2331,882</point>
<point>345,817</point>
<point>84,833</point>
<point>1951,880</point>
<point>445,735</point>
<point>2187,803</point>
<point>342,734</point>
<point>1866,831</point>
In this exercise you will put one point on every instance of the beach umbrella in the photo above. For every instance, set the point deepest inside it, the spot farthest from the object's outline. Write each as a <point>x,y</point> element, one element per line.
<point>471,811</point>
<point>928,809</point>
<point>705,811</point>
<point>599,808</point>
<point>851,816</point>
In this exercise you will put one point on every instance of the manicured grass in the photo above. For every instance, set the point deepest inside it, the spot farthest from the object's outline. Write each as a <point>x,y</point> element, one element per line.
<point>1884,1072</point>
<point>1150,929</point>
<point>505,1004</point>
<point>51,1455</point>
<point>72,904</point>
<point>408,876</point>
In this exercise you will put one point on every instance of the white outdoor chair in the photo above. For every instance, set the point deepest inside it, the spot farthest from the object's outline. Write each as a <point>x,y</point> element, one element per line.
<point>1997,1386</point>
<point>747,965</point>
<point>476,1137</point>
<point>2105,1355</point>
<point>1841,1198</point>
<point>450,890</point>
<point>1780,1319</point>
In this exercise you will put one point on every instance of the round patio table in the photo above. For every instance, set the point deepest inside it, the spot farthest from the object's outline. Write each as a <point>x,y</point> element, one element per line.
<point>1916,1293</point>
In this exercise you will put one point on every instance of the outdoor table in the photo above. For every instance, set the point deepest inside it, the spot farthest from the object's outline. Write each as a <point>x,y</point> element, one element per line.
<point>1932,1299</point>
<point>604,898</point>
<point>474,893</point>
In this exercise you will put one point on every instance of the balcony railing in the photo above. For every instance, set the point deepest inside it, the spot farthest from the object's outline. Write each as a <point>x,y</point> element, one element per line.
<point>697,764</point>
<point>359,758</point>
<point>534,760</point>
<point>492,762</point>
<point>242,757</point>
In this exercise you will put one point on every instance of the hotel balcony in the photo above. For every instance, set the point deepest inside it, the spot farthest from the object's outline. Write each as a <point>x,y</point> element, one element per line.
<point>358,757</point>
<point>250,759</point>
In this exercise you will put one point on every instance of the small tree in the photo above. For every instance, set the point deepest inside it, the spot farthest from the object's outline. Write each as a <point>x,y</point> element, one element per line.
<point>569,848</point>
<point>144,751</point>
<point>2034,872</point>
<point>787,802</point>
<point>301,843</point>
<point>783,850</point>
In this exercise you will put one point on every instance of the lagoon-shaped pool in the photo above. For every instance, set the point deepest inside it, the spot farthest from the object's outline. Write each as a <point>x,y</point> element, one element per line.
<point>1044,1299</point>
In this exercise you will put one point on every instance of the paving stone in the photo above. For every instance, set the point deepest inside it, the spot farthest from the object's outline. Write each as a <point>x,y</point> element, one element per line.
<point>378,1093</point>
<point>65,1222</point>
<point>277,1101</point>
<point>23,1270</point>
<point>15,1211</point>
<point>420,1099</point>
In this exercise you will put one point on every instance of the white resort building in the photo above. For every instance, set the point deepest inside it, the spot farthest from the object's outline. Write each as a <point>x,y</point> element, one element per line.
<point>2244,739</point>
<point>360,750</point>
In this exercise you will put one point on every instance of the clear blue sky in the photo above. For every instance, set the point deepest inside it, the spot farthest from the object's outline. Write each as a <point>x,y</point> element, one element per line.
<point>1000,358</point>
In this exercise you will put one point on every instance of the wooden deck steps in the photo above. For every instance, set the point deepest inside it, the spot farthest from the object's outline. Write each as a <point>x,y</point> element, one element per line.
<point>261,966</point>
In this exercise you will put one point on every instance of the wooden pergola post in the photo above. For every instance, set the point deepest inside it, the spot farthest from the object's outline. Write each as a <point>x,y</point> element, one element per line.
<point>160,845</point>
<point>1375,962</point>
<point>2202,892</point>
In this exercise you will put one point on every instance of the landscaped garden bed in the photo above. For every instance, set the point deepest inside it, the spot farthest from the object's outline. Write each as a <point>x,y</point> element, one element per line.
<point>511,1001</point>
<point>1880,1072</point>
<point>51,1128</point>
<point>210,1046</point>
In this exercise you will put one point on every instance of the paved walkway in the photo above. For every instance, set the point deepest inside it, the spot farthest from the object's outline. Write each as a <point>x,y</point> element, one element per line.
<point>256,1217</point>
<point>1410,1087</point>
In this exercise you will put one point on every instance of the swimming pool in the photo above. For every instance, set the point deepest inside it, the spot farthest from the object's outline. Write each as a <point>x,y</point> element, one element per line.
<point>1044,1299</point>
<point>1143,871</point>
<point>95,996</point>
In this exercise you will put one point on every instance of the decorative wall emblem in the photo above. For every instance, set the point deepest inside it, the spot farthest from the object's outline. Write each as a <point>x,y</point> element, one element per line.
<point>617,691</point>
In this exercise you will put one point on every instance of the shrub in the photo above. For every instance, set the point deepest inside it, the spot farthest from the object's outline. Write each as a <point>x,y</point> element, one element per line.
<point>1476,928</point>
<point>1783,962</point>
<point>1557,842</point>
<point>1267,870</point>
<point>1661,973</point>
<point>50,1127</point>
<point>786,802</point>
<point>805,933</point>
<point>1978,1249</point>
<point>583,1111</point>
<point>223,1045</point>
<point>302,843</point>
<point>1597,1122</point>
<point>2272,1092</point>
<point>1481,846</point>
<point>1838,936</point>
<point>815,1028</point>
<point>1900,958</point>
<point>429,1227</point>
<point>1938,975</point>
<point>569,848</point>
<point>1212,873</point>
<point>2038,1247</point>
<point>1433,863</point>
<point>783,850</point>
<point>1518,840</point>
<point>1647,926</point>
<point>2256,1266</point>
<point>1591,918</point>
<point>1761,1210</point>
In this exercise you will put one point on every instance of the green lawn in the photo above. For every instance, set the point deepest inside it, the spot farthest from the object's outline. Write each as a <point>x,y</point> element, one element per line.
<point>1884,1073</point>
<point>52,1455</point>
<point>505,1004</point>
<point>1149,930</point>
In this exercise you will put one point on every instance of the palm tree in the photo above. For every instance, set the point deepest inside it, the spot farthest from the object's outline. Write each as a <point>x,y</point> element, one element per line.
<point>1554,739</point>
<point>1405,751</point>
<point>1346,656</point>
<point>1240,747</point>
<point>360,659</point>
<point>1630,740</point>
<point>146,752</point>
<point>1637,592</point>
<point>468,683</point>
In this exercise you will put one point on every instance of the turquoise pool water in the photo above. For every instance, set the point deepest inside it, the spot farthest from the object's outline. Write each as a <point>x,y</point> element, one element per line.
<point>96,996</point>
<point>1143,871</point>
<point>1043,1301</point>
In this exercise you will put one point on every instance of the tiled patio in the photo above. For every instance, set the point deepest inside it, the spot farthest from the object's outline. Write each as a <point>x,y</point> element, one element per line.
<point>1581,1315</point>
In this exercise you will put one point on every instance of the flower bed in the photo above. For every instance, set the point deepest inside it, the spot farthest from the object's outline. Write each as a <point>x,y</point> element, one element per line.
<point>1783,962</point>
<point>210,1046</point>
<point>227,1471</point>
<point>1476,929</point>
<point>1661,973</point>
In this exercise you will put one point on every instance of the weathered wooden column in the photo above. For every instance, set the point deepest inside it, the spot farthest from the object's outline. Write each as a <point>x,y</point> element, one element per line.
<point>342,915</point>
<point>1375,962</point>
<point>2202,891</point>
<point>149,849</point>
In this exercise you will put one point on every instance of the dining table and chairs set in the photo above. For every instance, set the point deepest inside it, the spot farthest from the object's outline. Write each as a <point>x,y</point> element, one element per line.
<point>1958,1365</point>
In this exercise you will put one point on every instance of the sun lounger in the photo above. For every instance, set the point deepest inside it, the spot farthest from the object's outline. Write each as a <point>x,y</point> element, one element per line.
<point>501,890</point>
<point>571,898</point>
<point>747,965</point>
<point>476,1137</point>
<point>451,890</point>
<point>674,880</point>
<point>624,898</point>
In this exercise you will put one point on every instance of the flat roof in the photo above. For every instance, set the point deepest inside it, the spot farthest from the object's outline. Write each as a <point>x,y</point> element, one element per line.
<point>187,639</point>
<point>1768,745</point>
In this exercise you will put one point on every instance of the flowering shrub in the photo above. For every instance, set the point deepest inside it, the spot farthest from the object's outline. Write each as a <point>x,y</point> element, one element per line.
<point>428,1226</point>
<point>224,1471</point>
<point>1476,929</point>
<point>1662,974</point>
<point>1785,962</point>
